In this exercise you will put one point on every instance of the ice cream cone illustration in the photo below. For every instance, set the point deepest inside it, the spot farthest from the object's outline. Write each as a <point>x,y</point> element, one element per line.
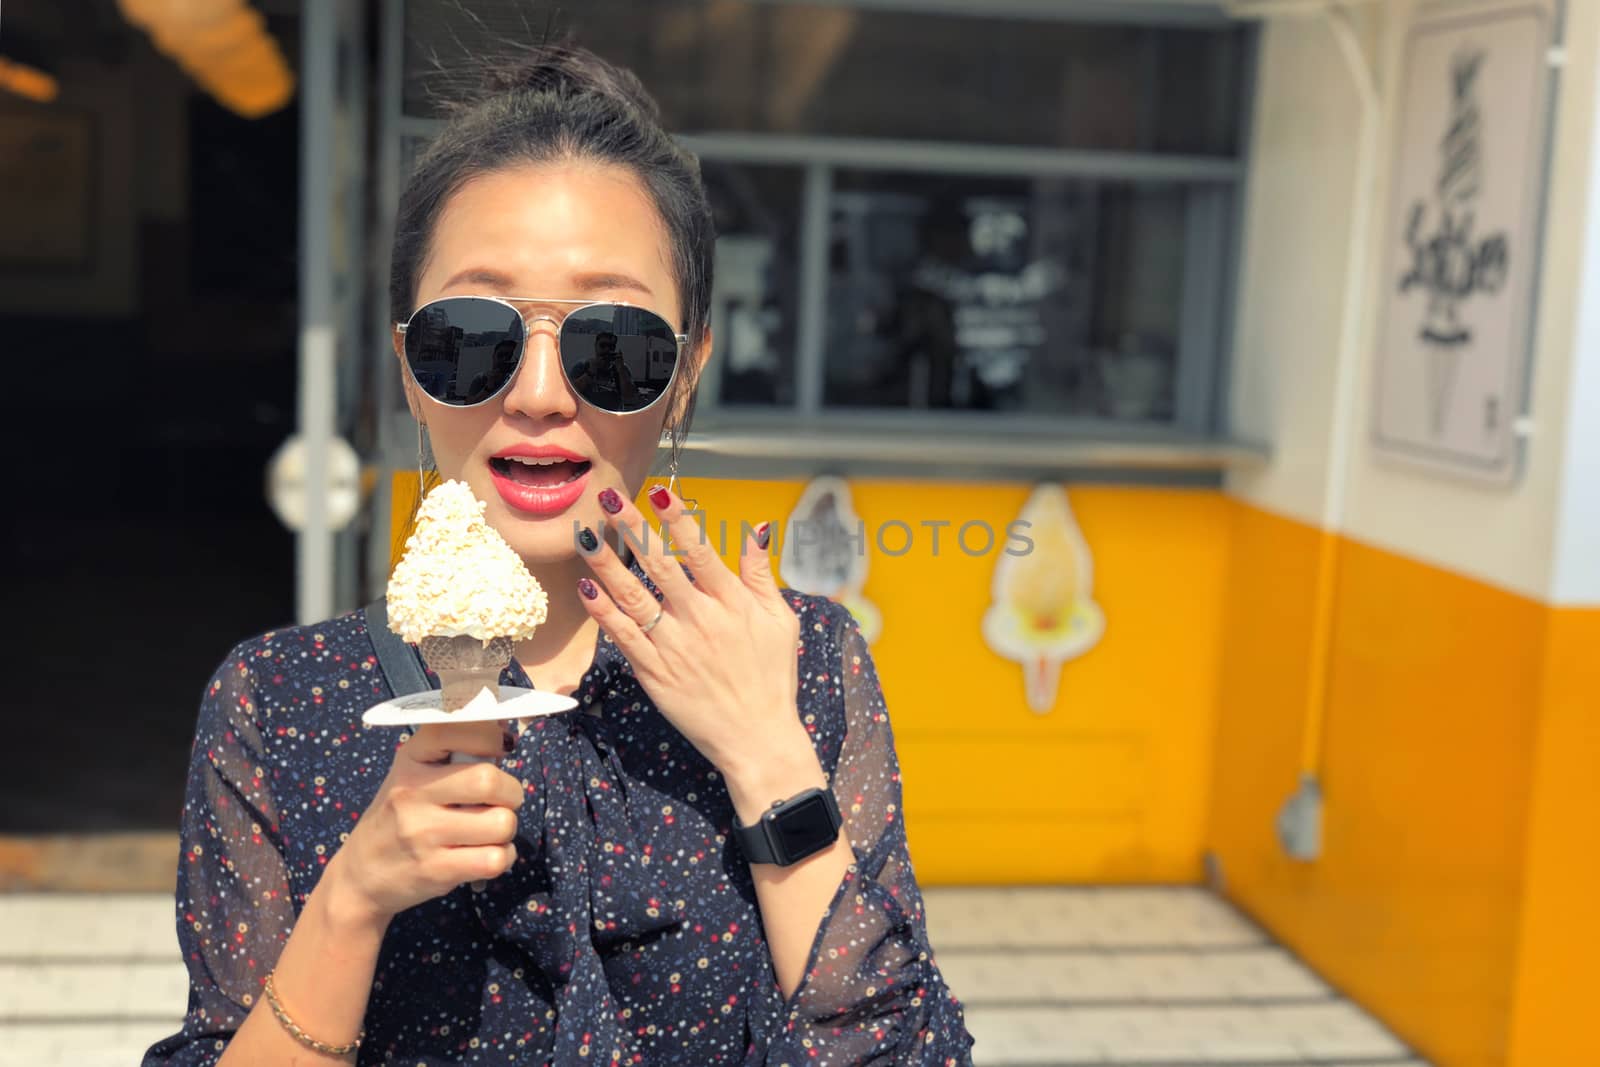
<point>825,551</point>
<point>1043,613</point>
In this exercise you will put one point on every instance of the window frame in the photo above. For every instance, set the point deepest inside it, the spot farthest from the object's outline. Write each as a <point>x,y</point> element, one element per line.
<point>1211,186</point>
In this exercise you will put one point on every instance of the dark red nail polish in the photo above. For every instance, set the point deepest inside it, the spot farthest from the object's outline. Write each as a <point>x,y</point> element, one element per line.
<point>610,501</point>
<point>659,496</point>
<point>763,535</point>
<point>588,541</point>
<point>588,588</point>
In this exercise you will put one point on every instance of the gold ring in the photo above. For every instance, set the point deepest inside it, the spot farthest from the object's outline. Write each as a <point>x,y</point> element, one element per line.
<point>651,625</point>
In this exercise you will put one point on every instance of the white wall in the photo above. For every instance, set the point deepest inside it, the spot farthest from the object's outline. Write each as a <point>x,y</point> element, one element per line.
<point>1292,278</point>
<point>1298,220</point>
<point>1577,562</point>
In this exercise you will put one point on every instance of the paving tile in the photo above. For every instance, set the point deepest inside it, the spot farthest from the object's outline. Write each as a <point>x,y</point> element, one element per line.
<point>1112,1026</point>
<point>86,926</point>
<point>988,977</point>
<point>1264,974</point>
<point>1164,1049</point>
<point>1332,1031</point>
<point>1169,976</point>
<point>79,990</point>
<point>79,1043</point>
<point>135,1038</point>
<point>1062,918</point>
<point>1214,1023</point>
<point>1250,1048</point>
<point>1371,1044</point>
<point>32,1044</point>
<point>1091,975</point>
<point>31,992</point>
<point>156,990</point>
<point>1005,1036</point>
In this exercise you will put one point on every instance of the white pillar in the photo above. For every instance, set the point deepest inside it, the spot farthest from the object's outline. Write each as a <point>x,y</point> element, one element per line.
<point>318,334</point>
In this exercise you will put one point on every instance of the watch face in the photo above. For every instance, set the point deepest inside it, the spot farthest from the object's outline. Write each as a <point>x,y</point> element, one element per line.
<point>805,828</point>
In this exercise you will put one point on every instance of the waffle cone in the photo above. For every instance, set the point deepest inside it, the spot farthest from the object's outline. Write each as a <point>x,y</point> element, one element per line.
<point>466,665</point>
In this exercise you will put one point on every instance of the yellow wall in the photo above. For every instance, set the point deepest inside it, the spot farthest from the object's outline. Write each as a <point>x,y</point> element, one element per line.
<point>1439,688</point>
<point>1110,786</point>
<point>1558,974</point>
<point>1460,766</point>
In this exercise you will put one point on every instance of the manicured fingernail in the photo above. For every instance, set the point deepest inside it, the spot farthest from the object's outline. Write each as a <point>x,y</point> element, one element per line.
<point>588,588</point>
<point>610,501</point>
<point>588,541</point>
<point>659,496</point>
<point>763,534</point>
<point>508,740</point>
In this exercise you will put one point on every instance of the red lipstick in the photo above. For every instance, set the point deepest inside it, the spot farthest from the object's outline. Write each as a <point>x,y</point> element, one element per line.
<point>539,480</point>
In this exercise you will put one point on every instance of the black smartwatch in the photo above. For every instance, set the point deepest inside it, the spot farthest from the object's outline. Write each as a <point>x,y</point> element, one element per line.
<point>793,829</point>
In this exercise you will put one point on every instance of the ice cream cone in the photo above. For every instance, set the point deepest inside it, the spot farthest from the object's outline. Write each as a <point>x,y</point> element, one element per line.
<point>462,596</point>
<point>466,665</point>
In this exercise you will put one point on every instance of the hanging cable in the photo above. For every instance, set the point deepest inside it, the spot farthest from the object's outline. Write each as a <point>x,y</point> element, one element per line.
<point>1300,820</point>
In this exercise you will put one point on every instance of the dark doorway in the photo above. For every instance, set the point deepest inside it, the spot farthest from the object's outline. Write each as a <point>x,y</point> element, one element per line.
<point>151,349</point>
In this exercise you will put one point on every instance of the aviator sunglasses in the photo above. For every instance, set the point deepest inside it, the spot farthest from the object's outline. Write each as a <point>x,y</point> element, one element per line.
<point>464,350</point>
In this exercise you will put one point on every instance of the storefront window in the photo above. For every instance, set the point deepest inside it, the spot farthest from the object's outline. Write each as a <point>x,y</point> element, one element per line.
<point>754,305</point>
<point>928,211</point>
<point>1050,296</point>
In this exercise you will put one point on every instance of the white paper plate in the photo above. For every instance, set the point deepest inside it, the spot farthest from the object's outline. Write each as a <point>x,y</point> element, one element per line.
<point>416,709</point>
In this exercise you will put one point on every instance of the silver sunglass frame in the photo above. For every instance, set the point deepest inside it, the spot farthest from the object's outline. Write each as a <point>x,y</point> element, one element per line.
<point>574,306</point>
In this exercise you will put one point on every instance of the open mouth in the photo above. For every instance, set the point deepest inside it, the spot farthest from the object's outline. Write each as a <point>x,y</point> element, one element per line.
<point>544,472</point>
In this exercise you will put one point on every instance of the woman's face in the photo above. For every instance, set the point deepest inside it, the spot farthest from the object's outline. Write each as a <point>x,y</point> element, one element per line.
<point>568,231</point>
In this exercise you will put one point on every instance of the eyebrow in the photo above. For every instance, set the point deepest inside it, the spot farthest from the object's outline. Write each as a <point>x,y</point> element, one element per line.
<point>586,283</point>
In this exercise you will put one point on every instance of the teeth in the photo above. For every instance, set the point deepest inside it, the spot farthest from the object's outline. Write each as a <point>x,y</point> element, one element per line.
<point>536,461</point>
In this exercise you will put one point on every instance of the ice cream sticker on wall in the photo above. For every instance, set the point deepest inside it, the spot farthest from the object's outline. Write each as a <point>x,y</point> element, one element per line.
<point>825,551</point>
<point>1043,612</point>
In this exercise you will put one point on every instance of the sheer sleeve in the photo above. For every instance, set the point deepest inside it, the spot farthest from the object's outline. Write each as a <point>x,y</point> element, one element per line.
<point>872,993</point>
<point>234,907</point>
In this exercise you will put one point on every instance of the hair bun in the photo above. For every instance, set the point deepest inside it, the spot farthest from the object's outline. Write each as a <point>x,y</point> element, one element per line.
<point>564,70</point>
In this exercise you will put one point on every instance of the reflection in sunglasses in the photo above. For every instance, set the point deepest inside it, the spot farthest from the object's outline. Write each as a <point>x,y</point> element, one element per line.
<point>465,350</point>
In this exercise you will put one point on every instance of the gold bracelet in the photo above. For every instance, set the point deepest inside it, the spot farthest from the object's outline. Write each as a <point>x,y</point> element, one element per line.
<point>303,1037</point>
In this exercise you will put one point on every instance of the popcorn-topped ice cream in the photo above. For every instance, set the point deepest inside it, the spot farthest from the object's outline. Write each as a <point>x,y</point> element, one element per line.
<point>459,578</point>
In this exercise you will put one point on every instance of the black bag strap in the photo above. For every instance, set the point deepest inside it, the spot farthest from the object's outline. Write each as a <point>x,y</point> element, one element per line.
<point>398,660</point>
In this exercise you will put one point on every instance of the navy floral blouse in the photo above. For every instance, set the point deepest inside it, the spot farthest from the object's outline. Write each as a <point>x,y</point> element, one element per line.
<point>628,930</point>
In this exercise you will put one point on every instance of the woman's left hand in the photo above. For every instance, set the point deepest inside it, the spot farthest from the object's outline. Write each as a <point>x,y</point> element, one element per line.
<point>722,660</point>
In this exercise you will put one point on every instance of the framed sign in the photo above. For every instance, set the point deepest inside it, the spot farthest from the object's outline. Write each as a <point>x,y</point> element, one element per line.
<point>47,170</point>
<point>1462,238</point>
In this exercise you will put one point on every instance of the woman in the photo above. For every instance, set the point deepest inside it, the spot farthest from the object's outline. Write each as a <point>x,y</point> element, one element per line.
<point>606,893</point>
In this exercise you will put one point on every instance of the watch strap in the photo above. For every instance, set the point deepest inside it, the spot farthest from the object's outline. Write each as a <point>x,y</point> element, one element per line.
<point>762,843</point>
<point>754,842</point>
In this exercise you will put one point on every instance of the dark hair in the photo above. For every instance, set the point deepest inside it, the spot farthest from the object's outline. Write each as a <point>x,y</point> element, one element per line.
<point>553,102</point>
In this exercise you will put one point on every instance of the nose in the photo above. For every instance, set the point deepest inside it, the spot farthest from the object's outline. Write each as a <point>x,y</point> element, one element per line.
<point>539,390</point>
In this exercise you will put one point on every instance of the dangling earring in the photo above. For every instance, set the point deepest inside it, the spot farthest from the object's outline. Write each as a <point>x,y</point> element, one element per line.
<point>423,449</point>
<point>672,468</point>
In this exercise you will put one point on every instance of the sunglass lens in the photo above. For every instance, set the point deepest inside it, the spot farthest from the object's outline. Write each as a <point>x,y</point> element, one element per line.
<point>618,358</point>
<point>463,350</point>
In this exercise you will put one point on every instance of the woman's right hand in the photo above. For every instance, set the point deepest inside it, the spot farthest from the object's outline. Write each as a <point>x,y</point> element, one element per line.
<point>433,824</point>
